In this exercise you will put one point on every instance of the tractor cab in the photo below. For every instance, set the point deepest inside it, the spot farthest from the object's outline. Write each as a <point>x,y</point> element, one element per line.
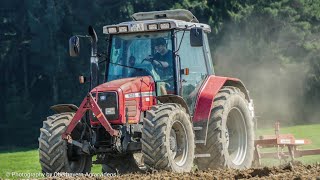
<point>178,64</point>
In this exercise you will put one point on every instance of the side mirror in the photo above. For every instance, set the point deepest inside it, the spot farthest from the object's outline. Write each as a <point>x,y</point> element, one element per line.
<point>74,46</point>
<point>196,37</point>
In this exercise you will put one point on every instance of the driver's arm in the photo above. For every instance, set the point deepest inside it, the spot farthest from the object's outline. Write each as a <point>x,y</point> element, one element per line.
<point>163,63</point>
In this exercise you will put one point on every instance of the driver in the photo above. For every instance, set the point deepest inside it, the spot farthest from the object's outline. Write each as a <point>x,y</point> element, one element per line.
<point>131,63</point>
<point>163,58</point>
<point>163,55</point>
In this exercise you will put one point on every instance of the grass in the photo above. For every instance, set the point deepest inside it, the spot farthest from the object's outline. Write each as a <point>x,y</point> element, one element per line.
<point>27,161</point>
<point>12,163</point>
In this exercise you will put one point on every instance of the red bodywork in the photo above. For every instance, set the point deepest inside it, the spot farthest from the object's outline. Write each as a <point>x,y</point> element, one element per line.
<point>208,91</point>
<point>136,94</point>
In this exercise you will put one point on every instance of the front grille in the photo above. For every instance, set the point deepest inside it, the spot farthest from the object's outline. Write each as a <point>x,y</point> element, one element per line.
<point>108,100</point>
<point>131,105</point>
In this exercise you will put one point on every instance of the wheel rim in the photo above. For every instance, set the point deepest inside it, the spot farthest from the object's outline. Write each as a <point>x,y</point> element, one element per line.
<point>178,143</point>
<point>236,136</point>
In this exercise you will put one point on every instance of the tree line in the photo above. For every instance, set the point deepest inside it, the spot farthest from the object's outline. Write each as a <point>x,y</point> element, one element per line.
<point>272,45</point>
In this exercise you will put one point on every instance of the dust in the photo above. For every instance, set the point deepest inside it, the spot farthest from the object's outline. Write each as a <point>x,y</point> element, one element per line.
<point>275,79</point>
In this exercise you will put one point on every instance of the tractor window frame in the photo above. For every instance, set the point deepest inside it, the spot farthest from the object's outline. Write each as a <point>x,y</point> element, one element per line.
<point>207,53</point>
<point>170,46</point>
<point>184,86</point>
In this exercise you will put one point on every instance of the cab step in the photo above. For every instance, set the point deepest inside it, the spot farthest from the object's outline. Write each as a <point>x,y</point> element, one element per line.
<point>197,128</point>
<point>201,155</point>
<point>200,141</point>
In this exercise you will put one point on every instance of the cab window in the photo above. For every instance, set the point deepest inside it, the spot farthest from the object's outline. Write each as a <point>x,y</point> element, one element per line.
<point>194,59</point>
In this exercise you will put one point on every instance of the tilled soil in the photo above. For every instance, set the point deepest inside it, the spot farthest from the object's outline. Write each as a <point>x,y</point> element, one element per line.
<point>284,172</point>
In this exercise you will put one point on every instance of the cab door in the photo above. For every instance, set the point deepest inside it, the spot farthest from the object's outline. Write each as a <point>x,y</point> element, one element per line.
<point>193,58</point>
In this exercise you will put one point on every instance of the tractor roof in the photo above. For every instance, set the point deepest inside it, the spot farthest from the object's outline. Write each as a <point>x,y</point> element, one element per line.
<point>178,14</point>
<point>157,21</point>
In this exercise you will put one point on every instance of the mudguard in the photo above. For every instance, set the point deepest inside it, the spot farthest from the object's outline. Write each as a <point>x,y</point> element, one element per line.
<point>61,108</point>
<point>209,90</point>
<point>171,98</point>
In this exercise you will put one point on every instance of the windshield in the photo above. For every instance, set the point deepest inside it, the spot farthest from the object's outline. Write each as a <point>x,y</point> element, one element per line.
<point>141,54</point>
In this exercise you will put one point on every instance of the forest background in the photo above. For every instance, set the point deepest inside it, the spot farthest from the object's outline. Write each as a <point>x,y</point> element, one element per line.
<point>271,45</point>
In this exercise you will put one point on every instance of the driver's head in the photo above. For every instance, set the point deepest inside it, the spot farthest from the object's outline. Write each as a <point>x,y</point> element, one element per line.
<point>132,60</point>
<point>160,45</point>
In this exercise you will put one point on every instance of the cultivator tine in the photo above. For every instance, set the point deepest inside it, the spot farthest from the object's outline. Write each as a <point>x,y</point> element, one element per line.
<point>281,141</point>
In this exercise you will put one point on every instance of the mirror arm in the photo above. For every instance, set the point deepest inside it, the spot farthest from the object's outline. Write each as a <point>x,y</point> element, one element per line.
<point>94,67</point>
<point>94,40</point>
<point>180,41</point>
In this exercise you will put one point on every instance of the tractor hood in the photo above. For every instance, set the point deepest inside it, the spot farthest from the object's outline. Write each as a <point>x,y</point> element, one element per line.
<point>127,97</point>
<point>128,85</point>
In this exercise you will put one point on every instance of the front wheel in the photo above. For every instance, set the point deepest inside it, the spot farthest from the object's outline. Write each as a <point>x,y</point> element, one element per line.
<point>168,139</point>
<point>55,154</point>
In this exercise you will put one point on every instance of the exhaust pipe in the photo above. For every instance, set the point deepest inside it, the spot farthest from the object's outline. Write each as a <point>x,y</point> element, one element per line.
<point>94,60</point>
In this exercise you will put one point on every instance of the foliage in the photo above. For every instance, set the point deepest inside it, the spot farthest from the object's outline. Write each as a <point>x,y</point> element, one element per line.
<point>264,42</point>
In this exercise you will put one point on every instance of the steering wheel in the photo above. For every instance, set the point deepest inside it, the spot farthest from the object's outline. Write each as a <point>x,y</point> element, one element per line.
<point>151,60</point>
<point>158,67</point>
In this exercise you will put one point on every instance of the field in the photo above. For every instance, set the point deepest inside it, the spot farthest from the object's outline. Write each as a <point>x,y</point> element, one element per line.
<point>27,162</point>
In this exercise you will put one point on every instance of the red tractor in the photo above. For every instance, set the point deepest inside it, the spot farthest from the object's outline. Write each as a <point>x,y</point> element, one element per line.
<point>154,103</point>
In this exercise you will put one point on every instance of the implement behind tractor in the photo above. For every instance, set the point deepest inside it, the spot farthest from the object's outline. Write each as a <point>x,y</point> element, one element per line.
<point>154,103</point>
<point>281,141</point>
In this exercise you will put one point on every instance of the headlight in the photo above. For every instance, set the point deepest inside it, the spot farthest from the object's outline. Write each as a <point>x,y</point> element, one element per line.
<point>165,26</point>
<point>112,30</point>
<point>109,111</point>
<point>123,29</point>
<point>152,26</point>
<point>102,98</point>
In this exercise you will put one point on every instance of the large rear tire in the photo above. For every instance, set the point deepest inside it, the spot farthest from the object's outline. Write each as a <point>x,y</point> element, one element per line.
<point>230,138</point>
<point>168,139</point>
<point>55,154</point>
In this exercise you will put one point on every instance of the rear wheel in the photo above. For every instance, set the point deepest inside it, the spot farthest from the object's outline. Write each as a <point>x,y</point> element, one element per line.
<point>168,138</point>
<point>55,154</point>
<point>230,138</point>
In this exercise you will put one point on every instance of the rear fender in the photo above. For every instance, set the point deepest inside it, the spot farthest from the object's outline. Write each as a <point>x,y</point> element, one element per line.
<point>209,90</point>
<point>61,108</point>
